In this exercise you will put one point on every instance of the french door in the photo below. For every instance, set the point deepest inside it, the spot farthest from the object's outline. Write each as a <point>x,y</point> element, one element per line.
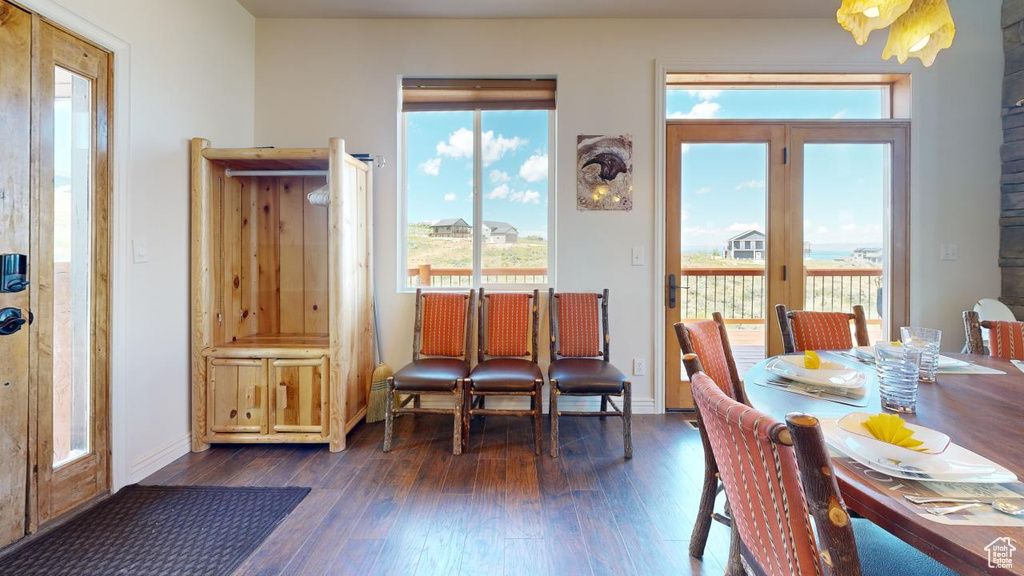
<point>54,293</point>
<point>811,215</point>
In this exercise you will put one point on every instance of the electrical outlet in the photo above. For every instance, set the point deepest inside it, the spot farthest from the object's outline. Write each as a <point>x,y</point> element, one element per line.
<point>638,256</point>
<point>639,367</point>
<point>948,252</point>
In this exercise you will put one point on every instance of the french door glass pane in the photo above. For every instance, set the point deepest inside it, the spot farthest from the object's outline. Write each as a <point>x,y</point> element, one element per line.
<point>515,196</point>
<point>724,243</point>
<point>72,186</point>
<point>846,190</point>
<point>439,198</point>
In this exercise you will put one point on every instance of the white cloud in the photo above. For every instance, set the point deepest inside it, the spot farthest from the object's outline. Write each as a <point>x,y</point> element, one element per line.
<point>686,214</point>
<point>701,110</point>
<point>744,226</point>
<point>431,167</point>
<point>535,168</point>
<point>460,145</point>
<point>705,94</point>
<point>849,227</point>
<point>752,184</point>
<point>821,230</point>
<point>498,177</point>
<point>704,190</point>
<point>526,197</point>
<point>501,191</point>
<point>449,197</point>
<point>841,114</point>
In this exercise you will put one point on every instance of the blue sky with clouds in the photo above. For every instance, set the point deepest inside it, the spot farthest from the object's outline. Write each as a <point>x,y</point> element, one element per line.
<point>724,184</point>
<point>515,167</point>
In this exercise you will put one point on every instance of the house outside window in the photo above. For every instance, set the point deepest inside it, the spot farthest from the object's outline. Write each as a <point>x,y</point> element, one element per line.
<point>477,151</point>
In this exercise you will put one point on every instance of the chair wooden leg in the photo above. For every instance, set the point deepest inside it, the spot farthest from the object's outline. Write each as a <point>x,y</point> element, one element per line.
<point>457,413</point>
<point>538,407</point>
<point>627,418</point>
<point>734,567</point>
<point>389,415</point>
<point>416,405</point>
<point>604,406</point>
<point>467,403</point>
<point>553,415</point>
<point>702,527</point>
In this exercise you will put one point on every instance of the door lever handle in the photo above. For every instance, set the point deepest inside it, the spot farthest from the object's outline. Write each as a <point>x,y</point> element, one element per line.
<point>11,321</point>
<point>672,289</point>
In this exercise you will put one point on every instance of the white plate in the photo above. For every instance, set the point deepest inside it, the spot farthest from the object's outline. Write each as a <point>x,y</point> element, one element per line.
<point>944,361</point>
<point>830,374</point>
<point>956,464</point>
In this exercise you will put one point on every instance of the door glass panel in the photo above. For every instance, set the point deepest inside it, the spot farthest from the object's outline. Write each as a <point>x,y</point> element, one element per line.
<point>846,190</point>
<point>723,243</point>
<point>72,186</point>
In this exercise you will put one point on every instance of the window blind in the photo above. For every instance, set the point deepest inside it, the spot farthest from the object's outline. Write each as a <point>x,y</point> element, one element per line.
<point>431,94</point>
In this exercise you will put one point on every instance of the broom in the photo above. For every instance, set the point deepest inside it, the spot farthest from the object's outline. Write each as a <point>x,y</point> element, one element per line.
<point>377,404</point>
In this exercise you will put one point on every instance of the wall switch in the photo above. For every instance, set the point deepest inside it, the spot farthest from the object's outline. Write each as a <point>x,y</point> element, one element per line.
<point>948,252</point>
<point>639,367</point>
<point>638,256</point>
<point>140,252</point>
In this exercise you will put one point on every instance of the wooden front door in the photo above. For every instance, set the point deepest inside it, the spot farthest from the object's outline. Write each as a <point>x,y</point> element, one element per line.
<point>70,271</point>
<point>15,192</point>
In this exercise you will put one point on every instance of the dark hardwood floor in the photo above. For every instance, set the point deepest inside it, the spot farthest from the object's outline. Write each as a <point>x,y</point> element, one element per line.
<point>498,509</point>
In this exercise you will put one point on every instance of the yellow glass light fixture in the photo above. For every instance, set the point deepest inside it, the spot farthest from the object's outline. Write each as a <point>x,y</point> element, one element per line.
<point>922,32</point>
<point>862,17</point>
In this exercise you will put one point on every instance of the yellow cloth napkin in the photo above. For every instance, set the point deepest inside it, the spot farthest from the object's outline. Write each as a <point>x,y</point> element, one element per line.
<point>811,360</point>
<point>891,429</point>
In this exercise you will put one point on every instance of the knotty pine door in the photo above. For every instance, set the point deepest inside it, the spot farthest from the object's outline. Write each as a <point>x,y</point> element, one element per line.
<point>55,202</point>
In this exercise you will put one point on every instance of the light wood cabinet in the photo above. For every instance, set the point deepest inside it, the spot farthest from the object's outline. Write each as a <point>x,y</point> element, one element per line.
<point>281,294</point>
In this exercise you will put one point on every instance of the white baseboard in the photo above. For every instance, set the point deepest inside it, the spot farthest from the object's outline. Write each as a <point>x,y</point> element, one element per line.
<point>570,403</point>
<point>154,461</point>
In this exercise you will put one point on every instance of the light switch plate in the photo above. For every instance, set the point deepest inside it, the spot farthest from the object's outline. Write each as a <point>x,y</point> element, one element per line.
<point>948,252</point>
<point>638,256</point>
<point>140,252</point>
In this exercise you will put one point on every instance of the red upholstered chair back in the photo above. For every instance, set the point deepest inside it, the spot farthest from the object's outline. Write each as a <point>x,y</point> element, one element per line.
<point>762,481</point>
<point>1005,339</point>
<point>821,330</point>
<point>704,338</point>
<point>508,325</point>
<point>443,324</point>
<point>578,321</point>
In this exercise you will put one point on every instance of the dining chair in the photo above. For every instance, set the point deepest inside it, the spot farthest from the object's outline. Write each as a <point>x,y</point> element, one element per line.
<point>777,477</point>
<point>442,337</point>
<point>581,362</point>
<point>1005,339</point>
<point>506,359</point>
<point>709,342</point>
<point>808,330</point>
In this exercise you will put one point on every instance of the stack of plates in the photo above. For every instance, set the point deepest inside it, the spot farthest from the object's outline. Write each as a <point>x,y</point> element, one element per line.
<point>942,461</point>
<point>831,377</point>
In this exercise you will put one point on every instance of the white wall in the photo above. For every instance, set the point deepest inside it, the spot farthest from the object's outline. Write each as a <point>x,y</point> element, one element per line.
<point>321,78</point>
<point>192,74</point>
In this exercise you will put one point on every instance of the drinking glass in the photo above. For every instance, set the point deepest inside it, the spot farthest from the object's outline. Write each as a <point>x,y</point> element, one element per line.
<point>926,340</point>
<point>898,368</point>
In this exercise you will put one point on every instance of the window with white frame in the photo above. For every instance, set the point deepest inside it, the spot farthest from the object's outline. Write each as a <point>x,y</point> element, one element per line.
<point>476,204</point>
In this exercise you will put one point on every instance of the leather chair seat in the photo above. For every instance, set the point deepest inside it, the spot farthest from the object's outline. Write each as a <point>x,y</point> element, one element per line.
<point>586,376</point>
<point>431,375</point>
<point>505,375</point>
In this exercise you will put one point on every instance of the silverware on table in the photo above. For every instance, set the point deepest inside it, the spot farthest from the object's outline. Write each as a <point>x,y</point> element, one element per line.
<point>1010,506</point>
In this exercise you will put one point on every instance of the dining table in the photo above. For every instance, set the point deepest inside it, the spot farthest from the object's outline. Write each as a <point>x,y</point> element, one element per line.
<point>981,412</point>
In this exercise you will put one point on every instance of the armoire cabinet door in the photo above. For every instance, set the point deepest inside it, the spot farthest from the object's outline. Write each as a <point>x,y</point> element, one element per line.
<point>300,394</point>
<point>237,394</point>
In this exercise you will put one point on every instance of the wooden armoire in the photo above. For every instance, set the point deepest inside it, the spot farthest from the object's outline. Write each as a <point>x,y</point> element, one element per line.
<point>281,294</point>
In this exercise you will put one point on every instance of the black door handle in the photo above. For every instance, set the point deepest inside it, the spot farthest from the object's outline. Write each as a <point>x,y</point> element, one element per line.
<point>672,288</point>
<point>10,321</point>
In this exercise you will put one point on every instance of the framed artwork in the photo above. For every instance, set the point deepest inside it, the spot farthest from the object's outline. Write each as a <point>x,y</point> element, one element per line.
<point>604,172</point>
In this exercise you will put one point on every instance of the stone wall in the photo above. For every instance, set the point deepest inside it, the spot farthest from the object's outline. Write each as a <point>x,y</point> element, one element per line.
<point>1011,222</point>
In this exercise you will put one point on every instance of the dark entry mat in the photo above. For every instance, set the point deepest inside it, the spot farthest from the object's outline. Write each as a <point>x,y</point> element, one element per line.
<point>158,530</point>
